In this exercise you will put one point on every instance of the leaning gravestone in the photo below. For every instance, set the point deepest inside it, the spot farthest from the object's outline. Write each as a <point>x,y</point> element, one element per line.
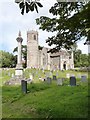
<point>83,78</point>
<point>48,80</point>
<point>54,77</point>
<point>72,81</point>
<point>59,81</point>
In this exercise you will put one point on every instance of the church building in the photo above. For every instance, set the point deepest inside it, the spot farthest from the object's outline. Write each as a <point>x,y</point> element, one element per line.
<point>39,58</point>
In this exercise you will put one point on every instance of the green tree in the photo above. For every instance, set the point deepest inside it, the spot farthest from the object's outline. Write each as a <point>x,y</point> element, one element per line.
<point>7,59</point>
<point>77,58</point>
<point>84,60</point>
<point>70,21</point>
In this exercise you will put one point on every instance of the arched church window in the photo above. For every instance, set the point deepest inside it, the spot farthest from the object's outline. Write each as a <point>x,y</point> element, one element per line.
<point>34,37</point>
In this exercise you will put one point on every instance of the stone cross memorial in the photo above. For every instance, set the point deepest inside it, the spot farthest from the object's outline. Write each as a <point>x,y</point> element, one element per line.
<point>19,68</point>
<point>72,81</point>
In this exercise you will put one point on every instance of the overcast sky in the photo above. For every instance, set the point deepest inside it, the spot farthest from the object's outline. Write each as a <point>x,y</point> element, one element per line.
<point>11,21</point>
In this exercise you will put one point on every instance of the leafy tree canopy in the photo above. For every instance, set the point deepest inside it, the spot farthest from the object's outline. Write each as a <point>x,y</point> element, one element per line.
<point>7,59</point>
<point>71,21</point>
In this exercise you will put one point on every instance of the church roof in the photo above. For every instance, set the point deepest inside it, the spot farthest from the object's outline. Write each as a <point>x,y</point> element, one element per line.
<point>61,52</point>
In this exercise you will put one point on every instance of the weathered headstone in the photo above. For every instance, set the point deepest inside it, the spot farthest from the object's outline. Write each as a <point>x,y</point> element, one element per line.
<point>79,76</point>
<point>50,74</point>
<point>9,74</point>
<point>59,81</point>
<point>54,77</point>
<point>68,75</point>
<point>48,80</point>
<point>57,74</point>
<point>83,78</point>
<point>72,81</point>
<point>63,79</point>
<point>24,86</point>
<point>31,77</point>
<point>12,75</point>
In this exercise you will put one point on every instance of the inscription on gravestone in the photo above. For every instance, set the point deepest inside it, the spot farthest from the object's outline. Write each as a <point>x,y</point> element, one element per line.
<point>72,81</point>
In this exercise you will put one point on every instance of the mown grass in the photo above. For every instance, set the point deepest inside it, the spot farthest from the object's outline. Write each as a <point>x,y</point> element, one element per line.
<point>44,100</point>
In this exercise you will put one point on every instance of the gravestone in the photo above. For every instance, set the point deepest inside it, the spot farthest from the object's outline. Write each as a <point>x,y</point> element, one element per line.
<point>48,80</point>
<point>63,79</point>
<point>24,86</point>
<point>72,81</point>
<point>12,75</point>
<point>33,74</point>
<point>54,77</point>
<point>31,77</point>
<point>36,72</point>
<point>57,74</point>
<point>83,78</point>
<point>50,74</point>
<point>68,75</point>
<point>59,81</point>
<point>79,76</point>
<point>9,74</point>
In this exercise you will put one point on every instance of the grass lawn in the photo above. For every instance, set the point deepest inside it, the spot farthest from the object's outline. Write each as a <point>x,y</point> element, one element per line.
<point>46,101</point>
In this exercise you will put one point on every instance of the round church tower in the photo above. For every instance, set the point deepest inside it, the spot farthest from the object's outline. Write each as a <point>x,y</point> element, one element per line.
<point>32,49</point>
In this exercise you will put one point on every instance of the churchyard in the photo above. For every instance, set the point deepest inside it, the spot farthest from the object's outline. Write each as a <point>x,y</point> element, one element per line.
<point>50,94</point>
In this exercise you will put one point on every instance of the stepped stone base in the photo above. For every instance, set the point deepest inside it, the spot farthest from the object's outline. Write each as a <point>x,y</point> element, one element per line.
<point>19,70</point>
<point>17,80</point>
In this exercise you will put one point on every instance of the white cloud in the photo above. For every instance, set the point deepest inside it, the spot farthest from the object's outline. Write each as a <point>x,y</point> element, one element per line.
<point>82,47</point>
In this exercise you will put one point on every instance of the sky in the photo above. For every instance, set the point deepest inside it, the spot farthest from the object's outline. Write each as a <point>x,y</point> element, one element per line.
<point>11,21</point>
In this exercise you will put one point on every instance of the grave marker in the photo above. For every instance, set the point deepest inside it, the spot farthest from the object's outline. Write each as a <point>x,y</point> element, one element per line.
<point>83,78</point>
<point>31,77</point>
<point>48,80</point>
<point>68,75</point>
<point>12,75</point>
<point>59,81</point>
<point>72,81</point>
<point>54,77</point>
<point>79,76</point>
